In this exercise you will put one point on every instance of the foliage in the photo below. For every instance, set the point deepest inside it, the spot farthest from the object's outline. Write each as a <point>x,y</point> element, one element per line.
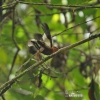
<point>68,73</point>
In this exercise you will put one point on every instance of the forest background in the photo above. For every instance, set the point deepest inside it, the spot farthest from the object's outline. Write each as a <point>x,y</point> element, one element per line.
<point>71,73</point>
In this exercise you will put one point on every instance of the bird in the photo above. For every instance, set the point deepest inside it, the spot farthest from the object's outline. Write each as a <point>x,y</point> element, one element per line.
<point>42,43</point>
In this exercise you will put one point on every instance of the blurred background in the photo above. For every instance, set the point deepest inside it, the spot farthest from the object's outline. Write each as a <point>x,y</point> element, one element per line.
<point>71,75</point>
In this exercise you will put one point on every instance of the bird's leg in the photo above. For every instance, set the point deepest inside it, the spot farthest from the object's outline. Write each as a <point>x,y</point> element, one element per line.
<point>38,54</point>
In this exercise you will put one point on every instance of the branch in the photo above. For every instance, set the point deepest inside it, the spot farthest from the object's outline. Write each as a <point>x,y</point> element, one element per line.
<point>13,38</point>
<point>63,6</point>
<point>11,6</point>
<point>0,8</point>
<point>8,84</point>
<point>92,4</point>
<point>76,26</point>
<point>69,9</point>
<point>3,98</point>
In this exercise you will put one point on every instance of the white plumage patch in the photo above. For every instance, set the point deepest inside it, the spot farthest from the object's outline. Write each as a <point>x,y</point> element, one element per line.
<point>30,42</point>
<point>46,40</point>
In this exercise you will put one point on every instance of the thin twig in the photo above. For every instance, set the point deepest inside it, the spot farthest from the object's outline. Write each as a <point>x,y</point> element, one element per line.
<point>12,6</point>
<point>3,98</point>
<point>92,4</point>
<point>23,65</point>
<point>3,16</point>
<point>50,75</point>
<point>75,26</point>
<point>13,38</point>
<point>61,6</point>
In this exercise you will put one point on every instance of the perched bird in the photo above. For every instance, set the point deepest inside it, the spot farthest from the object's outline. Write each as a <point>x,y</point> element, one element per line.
<point>42,43</point>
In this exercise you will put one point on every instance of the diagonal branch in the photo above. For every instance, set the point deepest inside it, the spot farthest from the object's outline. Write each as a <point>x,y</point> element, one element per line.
<point>8,84</point>
<point>76,26</point>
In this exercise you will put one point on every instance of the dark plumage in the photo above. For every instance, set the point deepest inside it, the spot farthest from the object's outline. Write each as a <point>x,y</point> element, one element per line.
<point>42,43</point>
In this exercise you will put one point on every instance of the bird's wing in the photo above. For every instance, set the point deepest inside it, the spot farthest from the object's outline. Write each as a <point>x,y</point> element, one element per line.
<point>43,44</point>
<point>38,36</point>
<point>47,36</point>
